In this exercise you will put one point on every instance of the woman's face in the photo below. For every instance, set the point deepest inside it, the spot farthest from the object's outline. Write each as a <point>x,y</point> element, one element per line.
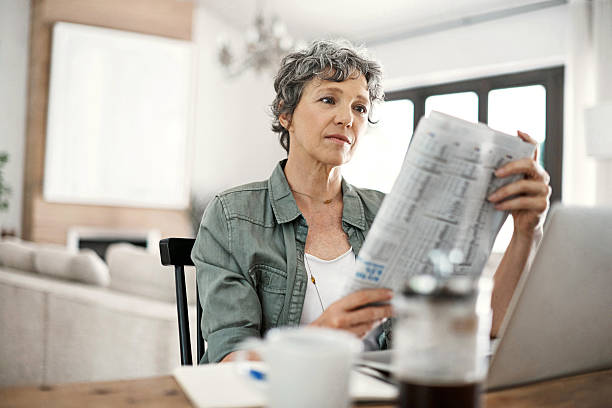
<point>328,121</point>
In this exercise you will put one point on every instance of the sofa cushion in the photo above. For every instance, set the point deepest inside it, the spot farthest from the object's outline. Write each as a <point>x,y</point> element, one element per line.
<point>135,270</point>
<point>59,262</point>
<point>53,261</point>
<point>88,267</point>
<point>17,254</point>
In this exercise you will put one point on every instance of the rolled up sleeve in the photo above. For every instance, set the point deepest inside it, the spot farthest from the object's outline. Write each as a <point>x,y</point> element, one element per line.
<point>231,310</point>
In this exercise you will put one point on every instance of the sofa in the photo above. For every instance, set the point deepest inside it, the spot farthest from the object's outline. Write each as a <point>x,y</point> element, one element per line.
<point>71,317</point>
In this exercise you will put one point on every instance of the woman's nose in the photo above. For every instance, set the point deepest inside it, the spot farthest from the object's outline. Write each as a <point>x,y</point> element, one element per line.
<point>344,116</point>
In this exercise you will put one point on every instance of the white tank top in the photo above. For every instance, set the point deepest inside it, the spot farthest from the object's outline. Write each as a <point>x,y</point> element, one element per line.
<point>330,277</point>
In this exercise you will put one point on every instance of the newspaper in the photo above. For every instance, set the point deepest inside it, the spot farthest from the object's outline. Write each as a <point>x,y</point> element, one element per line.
<point>436,219</point>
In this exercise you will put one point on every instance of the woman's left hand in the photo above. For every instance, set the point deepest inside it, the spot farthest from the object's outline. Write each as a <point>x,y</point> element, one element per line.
<point>530,195</point>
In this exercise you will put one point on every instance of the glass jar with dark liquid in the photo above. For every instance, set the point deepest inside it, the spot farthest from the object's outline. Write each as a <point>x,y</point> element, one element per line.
<point>440,343</point>
<point>414,395</point>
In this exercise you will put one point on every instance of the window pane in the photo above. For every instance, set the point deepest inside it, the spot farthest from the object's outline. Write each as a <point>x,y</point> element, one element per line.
<point>380,152</point>
<point>511,109</point>
<point>463,105</point>
<point>520,108</point>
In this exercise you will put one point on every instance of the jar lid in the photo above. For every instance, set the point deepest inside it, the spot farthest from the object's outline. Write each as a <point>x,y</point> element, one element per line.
<point>451,287</point>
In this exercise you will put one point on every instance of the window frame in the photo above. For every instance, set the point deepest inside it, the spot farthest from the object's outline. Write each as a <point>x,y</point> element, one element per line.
<point>551,78</point>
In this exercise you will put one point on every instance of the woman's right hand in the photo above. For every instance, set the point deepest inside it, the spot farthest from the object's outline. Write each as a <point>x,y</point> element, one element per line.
<point>352,314</point>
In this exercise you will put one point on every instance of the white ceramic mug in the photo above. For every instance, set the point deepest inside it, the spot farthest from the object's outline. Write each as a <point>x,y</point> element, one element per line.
<point>307,366</point>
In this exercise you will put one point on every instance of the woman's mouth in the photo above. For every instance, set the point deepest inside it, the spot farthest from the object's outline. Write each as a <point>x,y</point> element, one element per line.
<point>341,139</point>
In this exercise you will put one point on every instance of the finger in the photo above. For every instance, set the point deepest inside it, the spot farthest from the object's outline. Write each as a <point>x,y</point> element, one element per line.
<point>364,297</point>
<point>520,187</point>
<point>524,136</point>
<point>361,330</point>
<point>528,167</point>
<point>368,314</point>
<point>525,203</point>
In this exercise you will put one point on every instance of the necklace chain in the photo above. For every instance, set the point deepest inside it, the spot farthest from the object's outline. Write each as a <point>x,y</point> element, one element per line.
<point>329,201</point>
<point>313,280</point>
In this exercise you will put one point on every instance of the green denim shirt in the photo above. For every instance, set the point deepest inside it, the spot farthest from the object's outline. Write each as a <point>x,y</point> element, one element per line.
<point>249,257</point>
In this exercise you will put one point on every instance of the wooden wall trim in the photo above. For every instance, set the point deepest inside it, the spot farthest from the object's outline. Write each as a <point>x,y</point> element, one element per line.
<point>49,222</point>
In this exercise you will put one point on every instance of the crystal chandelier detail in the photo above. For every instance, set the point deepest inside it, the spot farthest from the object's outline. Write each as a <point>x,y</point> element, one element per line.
<point>266,42</point>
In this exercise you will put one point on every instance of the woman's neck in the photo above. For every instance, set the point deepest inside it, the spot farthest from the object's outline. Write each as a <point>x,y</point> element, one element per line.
<point>317,181</point>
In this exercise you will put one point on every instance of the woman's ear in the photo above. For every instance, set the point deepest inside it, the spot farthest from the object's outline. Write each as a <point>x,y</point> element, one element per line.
<point>285,120</point>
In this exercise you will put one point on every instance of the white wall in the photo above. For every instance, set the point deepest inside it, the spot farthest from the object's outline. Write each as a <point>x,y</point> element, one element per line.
<point>233,143</point>
<point>14,32</point>
<point>580,171</point>
<point>602,61</point>
<point>525,41</point>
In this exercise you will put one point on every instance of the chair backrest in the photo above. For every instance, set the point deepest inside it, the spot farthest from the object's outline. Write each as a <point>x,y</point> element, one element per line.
<point>177,252</point>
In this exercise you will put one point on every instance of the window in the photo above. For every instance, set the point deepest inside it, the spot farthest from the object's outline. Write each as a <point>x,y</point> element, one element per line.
<point>463,105</point>
<point>522,107</point>
<point>530,101</point>
<point>380,153</point>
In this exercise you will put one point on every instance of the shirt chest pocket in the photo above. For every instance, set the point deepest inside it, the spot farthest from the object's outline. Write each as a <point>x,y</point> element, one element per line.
<point>271,285</point>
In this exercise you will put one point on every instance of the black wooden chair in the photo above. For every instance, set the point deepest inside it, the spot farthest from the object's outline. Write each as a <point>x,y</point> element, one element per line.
<point>177,252</point>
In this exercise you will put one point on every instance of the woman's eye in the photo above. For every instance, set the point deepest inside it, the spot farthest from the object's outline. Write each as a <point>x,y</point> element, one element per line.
<point>327,99</point>
<point>361,109</point>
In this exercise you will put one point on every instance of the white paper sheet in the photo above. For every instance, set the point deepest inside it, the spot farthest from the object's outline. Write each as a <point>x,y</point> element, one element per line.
<point>436,219</point>
<point>224,385</point>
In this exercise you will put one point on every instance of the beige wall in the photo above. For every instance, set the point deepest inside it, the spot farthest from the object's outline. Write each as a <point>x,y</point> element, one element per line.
<point>49,222</point>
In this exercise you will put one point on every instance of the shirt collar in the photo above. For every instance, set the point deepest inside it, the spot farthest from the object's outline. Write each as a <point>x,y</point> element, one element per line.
<point>352,211</point>
<point>285,208</point>
<point>283,204</point>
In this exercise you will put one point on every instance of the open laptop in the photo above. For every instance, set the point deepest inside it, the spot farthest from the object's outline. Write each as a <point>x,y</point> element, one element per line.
<point>559,321</point>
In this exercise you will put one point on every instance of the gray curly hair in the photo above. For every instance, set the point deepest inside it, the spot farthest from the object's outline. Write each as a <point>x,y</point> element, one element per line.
<point>327,60</point>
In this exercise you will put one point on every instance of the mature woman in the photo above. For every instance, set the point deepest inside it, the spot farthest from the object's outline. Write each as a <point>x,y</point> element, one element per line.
<point>277,252</point>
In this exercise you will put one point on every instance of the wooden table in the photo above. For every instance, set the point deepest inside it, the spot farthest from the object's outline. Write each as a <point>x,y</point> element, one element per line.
<point>584,391</point>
